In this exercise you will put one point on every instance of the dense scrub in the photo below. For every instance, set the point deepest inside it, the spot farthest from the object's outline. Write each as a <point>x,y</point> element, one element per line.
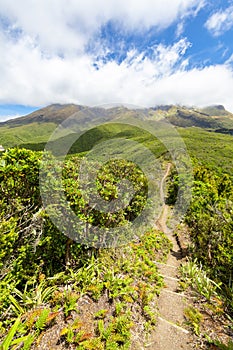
<point>210,218</point>
<point>210,222</point>
<point>45,275</point>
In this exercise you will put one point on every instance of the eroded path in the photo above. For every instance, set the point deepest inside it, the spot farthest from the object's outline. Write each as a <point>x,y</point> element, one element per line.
<point>170,333</point>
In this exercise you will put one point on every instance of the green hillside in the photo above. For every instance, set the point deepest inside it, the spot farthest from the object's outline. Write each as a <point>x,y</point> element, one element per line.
<point>38,126</point>
<point>210,148</point>
<point>17,135</point>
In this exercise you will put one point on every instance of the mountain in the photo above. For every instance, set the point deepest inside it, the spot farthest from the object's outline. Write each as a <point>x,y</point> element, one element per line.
<point>212,117</point>
<point>196,125</point>
<point>54,113</point>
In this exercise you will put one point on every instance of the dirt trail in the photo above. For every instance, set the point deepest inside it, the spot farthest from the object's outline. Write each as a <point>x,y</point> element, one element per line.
<point>161,222</point>
<point>170,333</point>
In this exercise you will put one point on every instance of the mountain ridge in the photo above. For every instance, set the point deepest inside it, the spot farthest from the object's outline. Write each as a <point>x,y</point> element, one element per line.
<point>57,113</point>
<point>37,127</point>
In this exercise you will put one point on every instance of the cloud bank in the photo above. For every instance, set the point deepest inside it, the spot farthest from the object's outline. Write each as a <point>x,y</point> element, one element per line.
<point>44,57</point>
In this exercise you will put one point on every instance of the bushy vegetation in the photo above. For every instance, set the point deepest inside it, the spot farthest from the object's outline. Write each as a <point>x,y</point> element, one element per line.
<point>210,218</point>
<point>209,149</point>
<point>45,275</point>
<point>209,269</point>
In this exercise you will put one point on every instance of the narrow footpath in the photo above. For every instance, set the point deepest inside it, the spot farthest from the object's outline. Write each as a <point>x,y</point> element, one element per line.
<point>170,333</point>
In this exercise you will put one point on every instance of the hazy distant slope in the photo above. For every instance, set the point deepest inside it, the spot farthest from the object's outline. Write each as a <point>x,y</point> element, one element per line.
<point>54,113</point>
<point>210,117</point>
<point>35,127</point>
<point>213,117</point>
<point>216,110</point>
<point>34,130</point>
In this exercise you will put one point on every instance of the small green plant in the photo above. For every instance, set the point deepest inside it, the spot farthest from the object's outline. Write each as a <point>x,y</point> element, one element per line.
<point>194,318</point>
<point>75,333</point>
<point>70,301</point>
<point>219,345</point>
<point>120,308</point>
<point>28,342</point>
<point>29,326</point>
<point>42,320</point>
<point>117,334</point>
<point>194,275</point>
<point>22,301</point>
<point>91,344</point>
<point>101,314</point>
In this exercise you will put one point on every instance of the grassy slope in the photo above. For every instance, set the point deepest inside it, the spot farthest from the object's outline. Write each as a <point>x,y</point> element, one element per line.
<point>30,133</point>
<point>210,148</point>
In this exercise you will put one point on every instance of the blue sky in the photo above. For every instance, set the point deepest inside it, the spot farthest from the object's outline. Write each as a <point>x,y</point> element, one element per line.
<point>96,52</point>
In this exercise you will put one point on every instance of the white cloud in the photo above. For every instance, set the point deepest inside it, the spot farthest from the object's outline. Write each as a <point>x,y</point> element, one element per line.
<point>65,26</point>
<point>31,78</point>
<point>47,62</point>
<point>9,116</point>
<point>220,22</point>
<point>180,29</point>
<point>200,87</point>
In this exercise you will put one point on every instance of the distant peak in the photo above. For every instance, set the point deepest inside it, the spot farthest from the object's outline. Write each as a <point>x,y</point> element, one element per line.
<point>220,107</point>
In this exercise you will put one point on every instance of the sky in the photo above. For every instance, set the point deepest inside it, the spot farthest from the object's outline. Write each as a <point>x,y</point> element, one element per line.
<point>94,52</point>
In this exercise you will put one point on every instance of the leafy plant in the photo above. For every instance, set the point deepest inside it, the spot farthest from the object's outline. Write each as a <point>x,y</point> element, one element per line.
<point>101,314</point>
<point>38,292</point>
<point>70,301</point>
<point>194,318</point>
<point>194,275</point>
<point>222,346</point>
<point>8,339</point>
<point>42,320</point>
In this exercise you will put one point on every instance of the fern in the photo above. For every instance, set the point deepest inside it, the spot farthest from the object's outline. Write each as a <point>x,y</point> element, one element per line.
<point>28,342</point>
<point>42,320</point>
<point>31,317</point>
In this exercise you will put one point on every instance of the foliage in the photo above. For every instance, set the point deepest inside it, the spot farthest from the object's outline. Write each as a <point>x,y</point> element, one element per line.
<point>108,178</point>
<point>194,318</point>
<point>210,218</point>
<point>194,275</point>
<point>44,274</point>
<point>211,150</point>
<point>26,328</point>
<point>127,275</point>
<point>7,341</point>
<point>222,346</point>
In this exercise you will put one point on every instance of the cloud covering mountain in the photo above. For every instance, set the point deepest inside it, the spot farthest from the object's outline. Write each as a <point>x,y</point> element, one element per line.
<point>94,52</point>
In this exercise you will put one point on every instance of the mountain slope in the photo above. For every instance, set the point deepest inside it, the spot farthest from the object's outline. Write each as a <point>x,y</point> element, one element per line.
<point>202,129</point>
<point>211,117</point>
<point>54,113</point>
